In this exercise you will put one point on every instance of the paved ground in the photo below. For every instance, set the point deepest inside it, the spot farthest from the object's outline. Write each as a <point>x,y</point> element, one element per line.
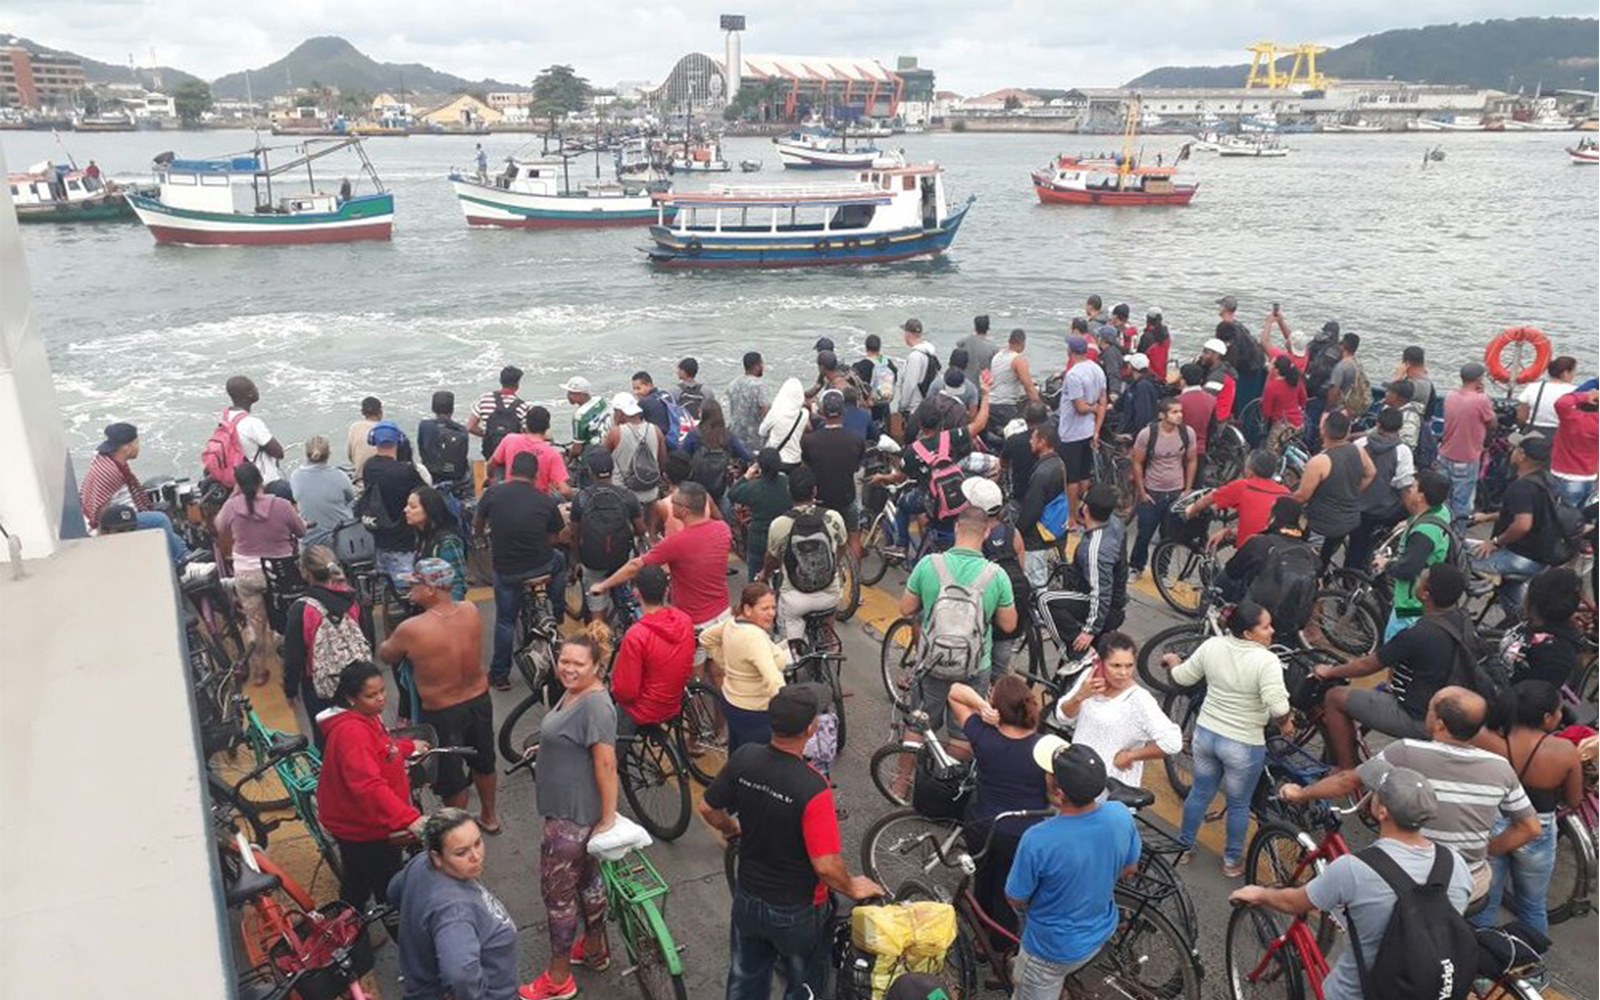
<point>698,912</point>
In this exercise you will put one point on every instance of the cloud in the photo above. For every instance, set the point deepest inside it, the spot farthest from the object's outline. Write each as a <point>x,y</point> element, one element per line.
<point>973,47</point>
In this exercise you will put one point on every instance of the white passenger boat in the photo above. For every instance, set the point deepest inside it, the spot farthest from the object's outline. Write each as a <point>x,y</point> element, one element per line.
<point>824,149</point>
<point>542,194</point>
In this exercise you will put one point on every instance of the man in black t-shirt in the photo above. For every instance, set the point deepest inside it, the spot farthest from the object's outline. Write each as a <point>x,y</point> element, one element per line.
<point>1047,480</point>
<point>781,810</point>
<point>523,524</point>
<point>387,483</point>
<point>1525,528</point>
<point>834,455</point>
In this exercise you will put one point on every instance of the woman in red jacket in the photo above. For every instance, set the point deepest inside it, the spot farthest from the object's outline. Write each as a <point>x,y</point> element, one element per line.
<point>363,796</point>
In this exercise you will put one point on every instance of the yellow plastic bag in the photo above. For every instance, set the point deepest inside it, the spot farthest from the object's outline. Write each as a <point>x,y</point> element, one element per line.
<point>933,930</point>
<point>881,930</point>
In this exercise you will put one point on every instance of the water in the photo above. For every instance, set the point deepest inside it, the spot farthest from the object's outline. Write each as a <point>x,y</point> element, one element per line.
<point>1503,232</point>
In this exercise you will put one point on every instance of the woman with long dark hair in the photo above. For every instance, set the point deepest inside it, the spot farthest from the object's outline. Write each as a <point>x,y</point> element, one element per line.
<point>438,534</point>
<point>1283,402</point>
<point>255,525</point>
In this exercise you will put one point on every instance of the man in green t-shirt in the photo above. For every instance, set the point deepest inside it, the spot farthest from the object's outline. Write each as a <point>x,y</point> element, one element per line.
<point>591,417</point>
<point>1426,542</point>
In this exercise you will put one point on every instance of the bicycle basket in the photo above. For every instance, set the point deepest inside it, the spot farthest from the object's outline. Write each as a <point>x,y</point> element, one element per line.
<point>353,544</point>
<point>335,948</point>
<point>1288,761</point>
<point>940,792</point>
<point>1189,531</point>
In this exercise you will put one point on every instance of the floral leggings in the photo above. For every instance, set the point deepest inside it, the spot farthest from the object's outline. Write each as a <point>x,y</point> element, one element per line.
<point>568,874</point>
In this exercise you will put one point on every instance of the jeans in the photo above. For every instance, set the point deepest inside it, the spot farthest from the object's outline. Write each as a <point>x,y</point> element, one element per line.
<point>1150,516</point>
<point>508,601</point>
<point>1463,478</point>
<point>154,520</point>
<point>911,503</point>
<point>764,936</point>
<point>1528,868</point>
<point>1573,492</point>
<point>1040,979</point>
<point>1235,767</point>
<point>1503,563</point>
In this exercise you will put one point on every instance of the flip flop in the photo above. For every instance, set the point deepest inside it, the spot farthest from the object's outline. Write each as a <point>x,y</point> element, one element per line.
<point>489,831</point>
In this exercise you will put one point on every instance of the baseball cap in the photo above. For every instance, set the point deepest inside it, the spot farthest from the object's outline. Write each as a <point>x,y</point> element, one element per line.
<point>599,462</point>
<point>1228,302</point>
<point>955,378</point>
<point>1077,344</point>
<point>1216,346</point>
<point>823,344</point>
<point>1299,341</point>
<point>1154,312</point>
<point>1331,326</point>
<point>576,383</point>
<point>117,435</point>
<point>832,403</point>
<point>912,326</point>
<point>1407,795</point>
<point>916,986</point>
<point>983,494</point>
<point>385,432</point>
<point>118,517</point>
<point>1078,770</point>
<point>624,403</point>
<point>791,710</point>
<point>1472,371</point>
<point>1138,362</point>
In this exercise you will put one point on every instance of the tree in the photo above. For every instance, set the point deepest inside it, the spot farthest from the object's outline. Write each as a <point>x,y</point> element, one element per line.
<point>1013,102</point>
<point>557,92</point>
<point>89,101</point>
<point>191,99</point>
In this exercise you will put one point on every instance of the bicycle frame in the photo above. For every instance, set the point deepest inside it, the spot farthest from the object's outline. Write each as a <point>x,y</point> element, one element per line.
<point>633,882</point>
<point>1312,961</point>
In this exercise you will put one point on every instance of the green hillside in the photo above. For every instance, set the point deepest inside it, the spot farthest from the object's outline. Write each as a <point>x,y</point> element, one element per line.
<point>333,62</point>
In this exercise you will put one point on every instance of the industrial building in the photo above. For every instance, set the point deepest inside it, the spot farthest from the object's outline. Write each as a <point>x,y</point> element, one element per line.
<point>38,80</point>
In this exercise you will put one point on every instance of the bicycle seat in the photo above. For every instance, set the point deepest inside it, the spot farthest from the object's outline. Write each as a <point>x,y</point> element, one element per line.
<point>286,744</point>
<point>538,581</point>
<point>1128,795</point>
<point>250,884</point>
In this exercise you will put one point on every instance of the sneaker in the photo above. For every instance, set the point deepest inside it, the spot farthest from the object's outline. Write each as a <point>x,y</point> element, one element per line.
<point>1233,869</point>
<point>544,989</point>
<point>501,683</point>
<point>1185,857</point>
<point>893,553</point>
<point>196,573</point>
<point>580,956</point>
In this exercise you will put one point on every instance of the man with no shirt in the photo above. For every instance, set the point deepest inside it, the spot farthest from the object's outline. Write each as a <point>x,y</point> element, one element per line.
<point>445,646</point>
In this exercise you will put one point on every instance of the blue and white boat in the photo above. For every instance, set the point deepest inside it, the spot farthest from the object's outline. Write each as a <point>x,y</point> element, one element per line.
<point>889,214</point>
<point>824,149</point>
<point>540,194</point>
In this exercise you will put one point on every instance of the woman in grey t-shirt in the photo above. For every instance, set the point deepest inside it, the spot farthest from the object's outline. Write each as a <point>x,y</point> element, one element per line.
<point>577,796</point>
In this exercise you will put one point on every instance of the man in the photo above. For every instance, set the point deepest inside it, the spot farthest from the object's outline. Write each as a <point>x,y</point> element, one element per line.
<point>1155,343</point>
<point>110,474</point>
<point>1126,334</point>
<point>1220,378</point>
<point>482,160</point>
<point>444,646</point>
<point>690,393</point>
<point>1421,660</point>
<point>655,658</point>
<point>980,350</point>
<point>1419,404</point>
<point>524,526</point>
<point>500,412</point>
<point>1468,418</point>
<point>1251,498</point>
<point>1242,576</point>
<point>1083,410</point>
<point>831,374</point>
<point>1536,404</point>
<point>1094,313</point>
<point>591,417</point>
<point>1404,802</point>
<point>606,520</point>
<point>1138,402</point>
<point>1345,379</point>
<point>534,439</point>
<point>1011,381</point>
<point>1109,340</point>
<point>1097,576</point>
<point>442,444</point>
<point>949,403</point>
<point>878,374</point>
<point>1382,501</point>
<point>781,810</point>
<point>388,485</point>
<point>696,556</point>
<point>356,447</point>
<point>916,377</point>
<point>639,451</point>
<point>1525,527</point>
<point>653,404</point>
<point>1064,876</point>
<point>808,544</point>
<point>1322,354</point>
<point>1164,465</point>
<point>1047,480</point>
<point>833,453</point>
<point>1331,485</point>
<point>259,446</point>
<point>934,449</point>
<point>1475,788</point>
<point>1017,456</point>
<point>748,401</point>
<point>1199,406</point>
<point>1398,395</point>
<point>1427,541</point>
<point>1575,448</point>
<point>958,385</point>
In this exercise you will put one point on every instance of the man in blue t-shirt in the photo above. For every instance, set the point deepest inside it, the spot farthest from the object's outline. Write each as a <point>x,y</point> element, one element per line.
<point>1065,870</point>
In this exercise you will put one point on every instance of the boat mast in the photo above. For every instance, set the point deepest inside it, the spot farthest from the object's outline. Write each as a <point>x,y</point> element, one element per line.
<point>1130,132</point>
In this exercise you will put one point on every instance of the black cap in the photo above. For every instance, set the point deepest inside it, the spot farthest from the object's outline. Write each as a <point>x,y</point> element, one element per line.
<point>1079,773</point>
<point>118,435</point>
<point>599,461</point>
<point>793,708</point>
<point>1331,326</point>
<point>1120,310</point>
<point>118,517</point>
<point>912,326</point>
<point>823,344</point>
<point>1536,447</point>
<point>916,986</point>
<point>833,403</point>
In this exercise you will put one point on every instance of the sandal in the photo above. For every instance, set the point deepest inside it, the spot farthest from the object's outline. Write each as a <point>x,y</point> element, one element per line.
<point>486,829</point>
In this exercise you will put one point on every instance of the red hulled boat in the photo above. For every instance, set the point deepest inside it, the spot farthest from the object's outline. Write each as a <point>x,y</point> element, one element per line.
<point>1118,180</point>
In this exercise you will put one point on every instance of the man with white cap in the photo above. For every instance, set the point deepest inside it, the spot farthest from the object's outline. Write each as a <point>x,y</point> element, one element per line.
<point>1221,381</point>
<point>638,451</point>
<point>1359,887</point>
<point>591,416</point>
<point>1137,404</point>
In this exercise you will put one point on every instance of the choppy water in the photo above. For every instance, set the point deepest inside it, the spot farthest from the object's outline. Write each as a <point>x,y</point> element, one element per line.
<point>1503,232</point>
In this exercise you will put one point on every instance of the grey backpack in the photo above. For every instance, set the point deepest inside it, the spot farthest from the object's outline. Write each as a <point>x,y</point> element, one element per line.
<point>952,638</point>
<point>643,471</point>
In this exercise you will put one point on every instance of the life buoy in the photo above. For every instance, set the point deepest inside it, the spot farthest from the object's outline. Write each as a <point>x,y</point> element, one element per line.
<point>852,244</point>
<point>1493,354</point>
<point>822,246</point>
<point>693,247</point>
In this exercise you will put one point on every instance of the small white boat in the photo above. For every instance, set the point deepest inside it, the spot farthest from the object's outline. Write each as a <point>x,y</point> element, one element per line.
<point>1258,147</point>
<point>823,149</point>
<point>1584,152</point>
<point>1360,125</point>
<point>1264,121</point>
<point>1206,142</point>
<point>540,194</point>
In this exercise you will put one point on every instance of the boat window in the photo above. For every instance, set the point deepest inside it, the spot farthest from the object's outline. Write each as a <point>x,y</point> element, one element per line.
<point>214,180</point>
<point>852,217</point>
<point>14,191</point>
<point>189,179</point>
<point>73,185</point>
<point>909,183</point>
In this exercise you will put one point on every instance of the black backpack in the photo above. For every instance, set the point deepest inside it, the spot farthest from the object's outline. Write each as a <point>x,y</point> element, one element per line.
<point>504,420</point>
<point>1287,584</point>
<point>1324,354</point>
<point>444,453</point>
<point>930,374</point>
<point>709,468</point>
<point>1563,526</point>
<point>1428,950</point>
<point>1477,665</point>
<point>605,532</point>
<point>808,557</point>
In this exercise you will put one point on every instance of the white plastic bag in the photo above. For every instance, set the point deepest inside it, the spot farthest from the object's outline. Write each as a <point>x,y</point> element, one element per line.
<point>624,835</point>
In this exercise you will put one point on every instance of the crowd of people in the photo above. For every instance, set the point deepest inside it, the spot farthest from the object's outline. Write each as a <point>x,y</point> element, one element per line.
<point>1000,517</point>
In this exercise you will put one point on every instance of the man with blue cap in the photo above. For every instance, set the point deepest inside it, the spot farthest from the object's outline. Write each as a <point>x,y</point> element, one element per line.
<point>388,482</point>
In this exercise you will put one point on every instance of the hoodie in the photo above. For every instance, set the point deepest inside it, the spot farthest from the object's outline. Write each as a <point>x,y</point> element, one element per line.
<point>785,422</point>
<point>362,792</point>
<point>1381,499</point>
<point>653,666</point>
<point>456,940</point>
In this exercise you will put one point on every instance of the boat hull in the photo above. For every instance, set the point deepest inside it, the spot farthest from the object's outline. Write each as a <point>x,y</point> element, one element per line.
<point>1590,157</point>
<point>487,206</point>
<point>112,209</point>
<point>1048,194</point>
<point>796,158</point>
<point>370,217</point>
<point>687,250</point>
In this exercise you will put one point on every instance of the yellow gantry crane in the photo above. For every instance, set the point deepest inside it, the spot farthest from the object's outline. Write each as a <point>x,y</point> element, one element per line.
<point>1302,74</point>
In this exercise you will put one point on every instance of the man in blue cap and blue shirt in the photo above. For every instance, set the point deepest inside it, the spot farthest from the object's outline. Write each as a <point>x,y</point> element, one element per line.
<point>387,485</point>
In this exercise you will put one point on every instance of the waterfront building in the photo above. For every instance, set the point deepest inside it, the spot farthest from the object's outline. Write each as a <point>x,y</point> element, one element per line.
<point>790,87</point>
<point>463,110</point>
<point>38,80</point>
<point>503,100</point>
<point>917,99</point>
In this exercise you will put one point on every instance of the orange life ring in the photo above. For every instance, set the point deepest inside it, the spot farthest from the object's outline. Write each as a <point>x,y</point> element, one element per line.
<point>1517,334</point>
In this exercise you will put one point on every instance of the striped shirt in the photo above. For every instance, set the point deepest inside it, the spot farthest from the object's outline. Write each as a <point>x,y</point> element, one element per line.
<point>102,481</point>
<point>1474,788</point>
<point>488,402</point>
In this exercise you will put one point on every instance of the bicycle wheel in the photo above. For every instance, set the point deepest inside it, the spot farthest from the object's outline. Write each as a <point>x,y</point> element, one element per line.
<point>873,562</point>
<point>1147,958</point>
<point>536,659</point>
<point>959,975</point>
<point>850,593</point>
<point>1179,639</point>
<point>896,849</point>
<point>1178,905</point>
<point>1569,891</point>
<point>1175,567</point>
<point>1346,624</point>
<point>310,814</point>
<point>897,660</point>
<point>1183,708</point>
<point>705,749</point>
<point>655,783</point>
<point>1256,970</point>
<point>265,793</point>
<point>1275,859</point>
<point>227,807</point>
<point>521,727</point>
<point>893,765</point>
<point>653,953</point>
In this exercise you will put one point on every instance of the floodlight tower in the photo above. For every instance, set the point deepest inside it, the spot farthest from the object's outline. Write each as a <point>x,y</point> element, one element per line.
<point>732,61</point>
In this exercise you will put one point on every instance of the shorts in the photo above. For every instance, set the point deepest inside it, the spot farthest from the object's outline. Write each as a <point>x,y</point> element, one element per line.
<point>933,698</point>
<point>598,604</point>
<point>850,512</point>
<point>1078,457</point>
<point>1381,710</point>
<point>468,724</point>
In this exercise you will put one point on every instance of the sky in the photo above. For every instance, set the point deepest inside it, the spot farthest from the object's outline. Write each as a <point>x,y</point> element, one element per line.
<point>973,47</point>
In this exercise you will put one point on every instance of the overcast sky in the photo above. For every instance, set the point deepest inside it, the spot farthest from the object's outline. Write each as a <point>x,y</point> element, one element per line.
<point>974,47</point>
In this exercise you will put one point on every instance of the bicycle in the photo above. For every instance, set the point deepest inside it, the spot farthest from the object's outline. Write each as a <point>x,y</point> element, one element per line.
<point>537,635</point>
<point>1113,463</point>
<point>1571,892</point>
<point>878,551</point>
<point>1184,565</point>
<point>1226,450</point>
<point>821,661</point>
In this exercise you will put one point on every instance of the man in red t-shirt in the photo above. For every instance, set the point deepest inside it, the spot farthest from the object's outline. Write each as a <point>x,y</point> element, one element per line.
<point>553,473</point>
<point>655,659</point>
<point>1252,496</point>
<point>1199,406</point>
<point>697,558</point>
<point>1574,453</point>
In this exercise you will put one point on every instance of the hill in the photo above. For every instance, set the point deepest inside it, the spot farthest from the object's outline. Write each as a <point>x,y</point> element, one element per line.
<point>1520,54</point>
<point>334,62</point>
<point>99,72</point>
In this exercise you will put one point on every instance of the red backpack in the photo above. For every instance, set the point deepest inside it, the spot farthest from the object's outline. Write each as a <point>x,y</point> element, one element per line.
<point>223,450</point>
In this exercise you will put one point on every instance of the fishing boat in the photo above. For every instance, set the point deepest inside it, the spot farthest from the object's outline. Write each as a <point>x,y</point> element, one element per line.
<point>1546,117</point>
<point>540,194</point>
<point>195,202</point>
<point>824,149</point>
<point>46,192</point>
<point>699,158</point>
<point>1118,180</point>
<point>1584,152</point>
<point>104,123</point>
<point>1206,142</point>
<point>750,166</point>
<point>1259,146</point>
<point>1263,121</point>
<point>1360,125</point>
<point>889,214</point>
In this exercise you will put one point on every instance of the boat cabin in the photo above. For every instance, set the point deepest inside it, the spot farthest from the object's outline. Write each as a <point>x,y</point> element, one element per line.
<point>203,185</point>
<point>553,178</point>
<point>47,188</point>
<point>878,201</point>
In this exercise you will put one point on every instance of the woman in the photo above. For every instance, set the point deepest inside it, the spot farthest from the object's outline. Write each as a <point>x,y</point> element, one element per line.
<point>328,603</point>
<point>456,939</point>
<point>363,794</point>
<point>1518,728</point>
<point>438,534</point>
<point>1002,731</point>
<point>255,525</point>
<point>748,665</point>
<point>1544,645</point>
<point>719,443</point>
<point>324,494</point>
<point>577,796</point>
<point>785,423</point>
<point>1244,689</point>
<point>765,491</point>
<point>1117,717</point>
<point>1283,402</point>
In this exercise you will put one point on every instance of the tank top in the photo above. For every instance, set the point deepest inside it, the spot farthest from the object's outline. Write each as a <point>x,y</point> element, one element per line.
<point>630,438</point>
<point>1006,389</point>
<point>1543,800</point>
<point>1335,507</point>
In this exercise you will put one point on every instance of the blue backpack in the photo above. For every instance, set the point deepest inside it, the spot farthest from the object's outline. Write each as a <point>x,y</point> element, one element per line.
<point>1053,519</point>
<point>678,421</point>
